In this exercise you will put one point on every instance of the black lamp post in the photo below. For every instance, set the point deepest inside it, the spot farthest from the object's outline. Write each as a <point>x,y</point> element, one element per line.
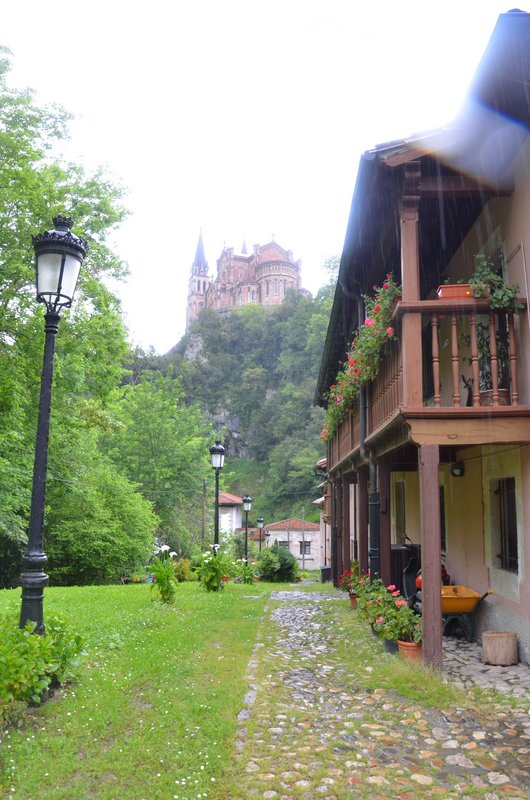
<point>59,255</point>
<point>267,537</point>
<point>217,454</point>
<point>247,505</point>
<point>261,523</point>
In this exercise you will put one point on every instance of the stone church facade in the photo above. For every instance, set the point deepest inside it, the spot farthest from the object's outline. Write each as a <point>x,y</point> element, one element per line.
<point>262,277</point>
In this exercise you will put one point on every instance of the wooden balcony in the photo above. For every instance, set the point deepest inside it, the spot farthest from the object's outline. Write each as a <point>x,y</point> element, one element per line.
<point>428,387</point>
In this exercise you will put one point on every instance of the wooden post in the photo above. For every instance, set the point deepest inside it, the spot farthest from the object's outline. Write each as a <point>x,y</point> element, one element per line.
<point>363,519</point>
<point>346,535</point>
<point>410,286</point>
<point>340,530</point>
<point>384,524</point>
<point>429,461</point>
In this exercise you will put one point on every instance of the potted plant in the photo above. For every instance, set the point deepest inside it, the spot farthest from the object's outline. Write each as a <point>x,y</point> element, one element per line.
<point>364,355</point>
<point>349,582</point>
<point>488,284</point>
<point>398,622</point>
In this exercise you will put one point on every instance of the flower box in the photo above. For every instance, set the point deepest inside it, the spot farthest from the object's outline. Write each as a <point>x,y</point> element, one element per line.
<point>454,291</point>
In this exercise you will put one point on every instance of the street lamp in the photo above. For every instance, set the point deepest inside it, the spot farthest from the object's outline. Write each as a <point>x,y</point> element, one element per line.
<point>261,523</point>
<point>247,505</point>
<point>59,255</point>
<point>217,454</point>
<point>267,537</point>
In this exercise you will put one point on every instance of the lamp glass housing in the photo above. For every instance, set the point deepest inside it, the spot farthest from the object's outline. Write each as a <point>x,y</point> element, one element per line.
<point>57,274</point>
<point>260,522</point>
<point>217,453</point>
<point>247,503</point>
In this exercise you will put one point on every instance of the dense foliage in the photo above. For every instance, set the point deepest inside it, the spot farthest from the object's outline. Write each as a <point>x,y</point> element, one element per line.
<point>276,563</point>
<point>130,432</point>
<point>103,510</point>
<point>33,665</point>
<point>254,370</point>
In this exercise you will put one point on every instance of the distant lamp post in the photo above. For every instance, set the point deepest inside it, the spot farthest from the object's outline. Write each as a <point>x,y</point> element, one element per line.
<point>217,454</point>
<point>59,255</point>
<point>261,523</point>
<point>247,505</point>
<point>267,537</point>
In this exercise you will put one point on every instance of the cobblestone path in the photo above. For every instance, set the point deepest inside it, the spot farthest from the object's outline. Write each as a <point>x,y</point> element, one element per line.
<point>309,729</point>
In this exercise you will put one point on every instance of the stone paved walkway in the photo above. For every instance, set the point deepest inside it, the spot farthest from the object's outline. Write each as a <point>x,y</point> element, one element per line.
<point>309,728</point>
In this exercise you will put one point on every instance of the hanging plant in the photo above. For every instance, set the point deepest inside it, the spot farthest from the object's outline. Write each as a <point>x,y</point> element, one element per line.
<point>364,356</point>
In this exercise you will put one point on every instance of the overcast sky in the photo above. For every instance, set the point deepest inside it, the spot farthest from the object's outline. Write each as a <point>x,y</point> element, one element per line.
<point>243,118</point>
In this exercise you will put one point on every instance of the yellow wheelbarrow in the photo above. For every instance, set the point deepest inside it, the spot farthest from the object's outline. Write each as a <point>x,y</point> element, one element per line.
<point>459,606</point>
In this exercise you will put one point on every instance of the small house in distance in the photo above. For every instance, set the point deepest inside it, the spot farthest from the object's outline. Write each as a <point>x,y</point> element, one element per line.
<point>300,537</point>
<point>230,512</point>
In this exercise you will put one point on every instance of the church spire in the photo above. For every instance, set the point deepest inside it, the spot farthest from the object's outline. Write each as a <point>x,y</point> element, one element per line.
<point>200,258</point>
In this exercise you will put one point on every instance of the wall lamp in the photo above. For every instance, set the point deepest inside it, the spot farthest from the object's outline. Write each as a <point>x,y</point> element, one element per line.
<point>458,469</point>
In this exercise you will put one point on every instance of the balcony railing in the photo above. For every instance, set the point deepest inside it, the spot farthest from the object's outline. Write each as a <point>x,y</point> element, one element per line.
<point>443,358</point>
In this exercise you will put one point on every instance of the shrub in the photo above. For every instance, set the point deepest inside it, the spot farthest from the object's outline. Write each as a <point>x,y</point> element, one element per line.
<point>244,570</point>
<point>31,664</point>
<point>183,571</point>
<point>164,575</point>
<point>212,570</point>
<point>268,565</point>
<point>276,563</point>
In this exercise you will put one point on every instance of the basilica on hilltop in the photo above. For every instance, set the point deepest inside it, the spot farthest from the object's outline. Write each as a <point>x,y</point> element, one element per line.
<point>261,277</point>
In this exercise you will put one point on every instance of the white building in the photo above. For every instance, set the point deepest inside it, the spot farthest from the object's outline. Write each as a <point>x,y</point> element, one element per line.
<point>302,539</point>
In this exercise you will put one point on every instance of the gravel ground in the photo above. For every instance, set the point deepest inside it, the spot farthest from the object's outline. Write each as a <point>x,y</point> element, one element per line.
<point>309,728</point>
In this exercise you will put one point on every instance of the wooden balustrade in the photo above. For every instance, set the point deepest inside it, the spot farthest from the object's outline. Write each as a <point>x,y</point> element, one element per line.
<point>386,390</point>
<point>449,351</point>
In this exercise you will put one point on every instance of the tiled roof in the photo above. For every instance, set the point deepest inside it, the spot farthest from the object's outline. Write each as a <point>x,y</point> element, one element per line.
<point>293,524</point>
<point>226,499</point>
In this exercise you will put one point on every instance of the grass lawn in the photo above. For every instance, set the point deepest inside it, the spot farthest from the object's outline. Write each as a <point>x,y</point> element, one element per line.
<point>154,712</point>
<point>155,709</point>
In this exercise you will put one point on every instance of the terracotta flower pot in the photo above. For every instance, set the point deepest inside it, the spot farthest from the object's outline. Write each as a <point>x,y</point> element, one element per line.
<point>410,650</point>
<point>353,600</point>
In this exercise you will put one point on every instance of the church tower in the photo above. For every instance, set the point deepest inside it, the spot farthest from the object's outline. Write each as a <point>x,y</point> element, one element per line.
<point>198,284</point>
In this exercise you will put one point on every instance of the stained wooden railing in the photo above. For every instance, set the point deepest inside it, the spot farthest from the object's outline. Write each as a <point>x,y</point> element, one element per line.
<point>386,390</point>
<point>447,352</point>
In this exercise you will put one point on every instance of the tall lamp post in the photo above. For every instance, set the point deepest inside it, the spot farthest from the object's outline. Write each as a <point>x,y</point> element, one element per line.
<point>59,255</point>
<point>261,523</point>
<point>247,505</point>
<point>217,454</point>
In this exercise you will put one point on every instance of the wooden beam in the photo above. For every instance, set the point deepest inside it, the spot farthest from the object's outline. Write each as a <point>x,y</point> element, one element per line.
<point>456,186</point>
<point>487,429</point>
<point>429,461</point>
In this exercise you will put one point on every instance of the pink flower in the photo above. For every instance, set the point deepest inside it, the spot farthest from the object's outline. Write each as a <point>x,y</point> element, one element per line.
<point>377,308</point>
<point>380,619</point>
<point>390,331</point>
<point>400,602</point>
<point>369,322</point>
<point>391,587</point>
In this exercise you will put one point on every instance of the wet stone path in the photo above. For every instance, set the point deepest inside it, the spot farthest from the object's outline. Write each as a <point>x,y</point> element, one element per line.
<point>309,729</point>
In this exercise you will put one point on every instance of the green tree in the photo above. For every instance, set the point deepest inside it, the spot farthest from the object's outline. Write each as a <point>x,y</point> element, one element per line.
<point>161,445</point>
<point>91,349</point>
